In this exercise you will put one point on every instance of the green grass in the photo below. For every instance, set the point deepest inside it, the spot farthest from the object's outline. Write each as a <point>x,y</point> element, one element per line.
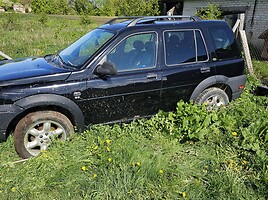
<point>149,159</point>
<point>24,35</point>
<point>187,154</point>
<point>261,70</point>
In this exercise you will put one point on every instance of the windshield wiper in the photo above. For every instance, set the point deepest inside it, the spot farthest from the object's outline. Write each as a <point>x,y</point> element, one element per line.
<point>67,64</point>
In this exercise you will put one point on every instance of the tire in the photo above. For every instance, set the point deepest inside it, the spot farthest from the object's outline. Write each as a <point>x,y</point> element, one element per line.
<point>213,97</point>
<point>36,130</point>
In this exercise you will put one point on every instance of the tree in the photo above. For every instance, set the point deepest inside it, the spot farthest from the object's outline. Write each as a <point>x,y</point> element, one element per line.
<point>84,7</point>
<point>137,7</point>
<point>50,6</point>
<point>211,12</point>
<point>106,7</point>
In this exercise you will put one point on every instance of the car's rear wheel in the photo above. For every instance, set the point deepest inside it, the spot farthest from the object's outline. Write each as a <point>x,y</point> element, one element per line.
<point>214,98</point>
<point>36,131</point>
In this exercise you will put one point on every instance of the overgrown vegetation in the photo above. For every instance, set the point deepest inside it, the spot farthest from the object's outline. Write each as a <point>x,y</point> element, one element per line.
<point>24,35</point>
<point>187,154</point>
<point>191,154</point>
<point>211,12</point>
<point>98,7</point>
<point>261,70</point>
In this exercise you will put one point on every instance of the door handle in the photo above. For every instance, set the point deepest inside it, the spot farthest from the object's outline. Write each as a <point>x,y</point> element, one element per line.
<point>205,69</point>
<point>152,76</point>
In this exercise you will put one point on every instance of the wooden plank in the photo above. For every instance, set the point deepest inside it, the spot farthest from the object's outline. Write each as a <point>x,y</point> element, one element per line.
<point>236,25</point>
<point>242,21</point>
<point>246,51</point>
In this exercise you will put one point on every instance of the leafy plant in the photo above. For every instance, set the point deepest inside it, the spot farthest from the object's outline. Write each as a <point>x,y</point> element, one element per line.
<point>43,19</point>
<point>211,12</point>
<point>85,19</point>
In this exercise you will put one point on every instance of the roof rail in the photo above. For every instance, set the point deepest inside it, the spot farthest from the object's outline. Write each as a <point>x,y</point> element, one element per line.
<point>122,19</point>
<point>158,18</point>
<point>136,19</point>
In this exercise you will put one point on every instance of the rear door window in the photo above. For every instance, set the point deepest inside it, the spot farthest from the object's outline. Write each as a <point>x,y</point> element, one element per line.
<point>184,46</point>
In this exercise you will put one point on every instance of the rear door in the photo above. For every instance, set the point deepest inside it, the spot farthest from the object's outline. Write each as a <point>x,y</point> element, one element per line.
<point>185,66</point>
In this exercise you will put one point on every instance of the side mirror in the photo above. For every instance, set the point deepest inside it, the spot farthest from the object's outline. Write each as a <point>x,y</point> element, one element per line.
<point>107,68</point>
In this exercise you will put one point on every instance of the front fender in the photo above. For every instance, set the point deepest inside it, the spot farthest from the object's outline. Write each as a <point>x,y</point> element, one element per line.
<point>42,100</point>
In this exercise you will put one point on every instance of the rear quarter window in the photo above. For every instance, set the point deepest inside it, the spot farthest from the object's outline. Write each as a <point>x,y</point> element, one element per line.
<point>224,42</point>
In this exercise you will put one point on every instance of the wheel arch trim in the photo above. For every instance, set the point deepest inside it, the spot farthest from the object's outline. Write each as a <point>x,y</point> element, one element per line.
<point>54,100</point>
<point>207,83</point>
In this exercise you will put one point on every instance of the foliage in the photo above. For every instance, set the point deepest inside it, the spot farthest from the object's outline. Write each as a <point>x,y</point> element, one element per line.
<point>83,7</point>
<point>210,12</point>
<point>186,154</point>
<point>43,19</point>
<point>85,19</point>
<point>137,7</point>
<point>50,6</point>
<point>98,7</point>
<point>107,7</point>
<point>261,70</point>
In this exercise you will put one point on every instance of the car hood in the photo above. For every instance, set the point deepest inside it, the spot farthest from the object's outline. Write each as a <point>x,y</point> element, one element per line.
<point>27,68</point>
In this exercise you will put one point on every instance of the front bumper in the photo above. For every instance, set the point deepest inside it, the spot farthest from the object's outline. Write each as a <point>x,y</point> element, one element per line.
<point>237,85</point>
<point>7,114</point>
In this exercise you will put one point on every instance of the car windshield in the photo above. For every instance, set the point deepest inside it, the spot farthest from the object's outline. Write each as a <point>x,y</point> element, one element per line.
<point>80,51</point>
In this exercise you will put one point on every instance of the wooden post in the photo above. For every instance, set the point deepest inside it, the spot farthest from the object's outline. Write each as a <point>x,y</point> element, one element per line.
<point>5,56</point>
<point>246,51</point>
<point>242,19</point>
<point>245,44</point>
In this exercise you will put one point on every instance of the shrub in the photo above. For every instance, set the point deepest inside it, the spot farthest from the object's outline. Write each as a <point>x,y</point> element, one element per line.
<point>210,12</point>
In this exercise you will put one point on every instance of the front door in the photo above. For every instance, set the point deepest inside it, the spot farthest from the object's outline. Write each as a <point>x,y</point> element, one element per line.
<point>135,90</point>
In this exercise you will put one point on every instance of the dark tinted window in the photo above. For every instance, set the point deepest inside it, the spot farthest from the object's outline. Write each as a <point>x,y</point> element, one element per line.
<point>225,44</point>
<point>135,52</point>
<point>201,49</point>
<point>180,47</point>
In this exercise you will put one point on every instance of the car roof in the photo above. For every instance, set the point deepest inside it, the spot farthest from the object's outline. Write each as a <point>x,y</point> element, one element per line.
<point>121,23</point>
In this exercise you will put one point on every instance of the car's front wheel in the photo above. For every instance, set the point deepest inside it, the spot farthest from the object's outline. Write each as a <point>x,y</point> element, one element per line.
<point>214,98</point>
<point>36,131</point>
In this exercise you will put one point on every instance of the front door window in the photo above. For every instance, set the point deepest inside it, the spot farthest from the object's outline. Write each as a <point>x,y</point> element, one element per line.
<point>135,52</point>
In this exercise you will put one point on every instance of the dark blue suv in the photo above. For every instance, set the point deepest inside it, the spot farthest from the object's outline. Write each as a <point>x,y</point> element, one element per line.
<point>127,68</point>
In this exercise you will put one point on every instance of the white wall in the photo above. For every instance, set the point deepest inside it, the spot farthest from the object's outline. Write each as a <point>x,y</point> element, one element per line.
<point>253,30</point>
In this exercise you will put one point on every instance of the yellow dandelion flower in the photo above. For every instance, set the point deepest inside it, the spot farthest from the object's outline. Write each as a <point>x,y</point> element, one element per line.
<point>94,175</point>
<point>130,192</point>
<point>244,162</point>
<point>84,168</point>
<point>108,149</point>
<point>161,171</point>
<point>138,163</point>
<point>183,194</point>
<point>108,141</point>
<point>110,159</point>
<point>13,189</point>
<point>234,134</point>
